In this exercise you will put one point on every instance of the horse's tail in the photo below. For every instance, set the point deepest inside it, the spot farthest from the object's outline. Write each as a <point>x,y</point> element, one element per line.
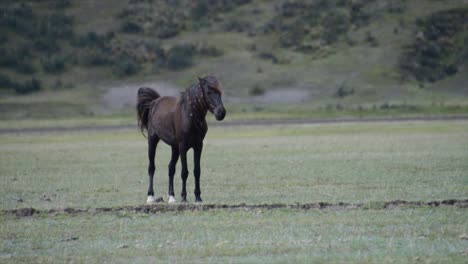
<point>145,97</point>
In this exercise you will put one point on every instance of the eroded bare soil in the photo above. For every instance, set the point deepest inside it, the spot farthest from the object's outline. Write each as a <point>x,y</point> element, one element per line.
<point>165,208</point>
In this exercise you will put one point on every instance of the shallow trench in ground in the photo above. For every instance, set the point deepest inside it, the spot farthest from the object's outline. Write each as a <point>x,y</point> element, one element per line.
<point>165,208</point>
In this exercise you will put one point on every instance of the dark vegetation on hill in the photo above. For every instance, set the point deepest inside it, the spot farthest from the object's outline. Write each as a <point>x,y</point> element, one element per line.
<point>309,25</point>
<point>37,42</point>
<point>48,43</point>
<point>440,47</point>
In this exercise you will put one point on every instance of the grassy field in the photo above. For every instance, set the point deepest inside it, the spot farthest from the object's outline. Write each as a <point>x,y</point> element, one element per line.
<point>353,163</point>
<point>241,113</point>
<point>364,236</point>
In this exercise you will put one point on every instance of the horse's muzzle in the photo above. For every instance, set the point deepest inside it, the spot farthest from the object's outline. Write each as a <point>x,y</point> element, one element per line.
<point>220,113</point>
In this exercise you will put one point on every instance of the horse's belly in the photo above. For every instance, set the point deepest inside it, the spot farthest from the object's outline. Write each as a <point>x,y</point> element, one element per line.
<point>164,129</point>
<point>166,136</point>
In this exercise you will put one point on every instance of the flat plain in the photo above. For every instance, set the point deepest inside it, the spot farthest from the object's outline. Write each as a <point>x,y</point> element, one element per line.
<point>353,163</point>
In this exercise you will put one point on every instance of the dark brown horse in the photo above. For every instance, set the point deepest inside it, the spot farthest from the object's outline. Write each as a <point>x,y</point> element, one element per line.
<point>180,123</point>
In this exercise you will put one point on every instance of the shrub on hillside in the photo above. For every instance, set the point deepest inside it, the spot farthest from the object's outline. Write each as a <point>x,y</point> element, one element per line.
<point>18,59</point>
<point>205,9</point>
<point>439,48</point>
<point>292,37</point>
<point>359,17</point>
<point>60,4</point>
<point>125,66</point>
<point>200,10</point>
<point>22,20</point>
<point>25,67</point>
<point>256,90</point>
<point>371,39</point>
<point>54,64</point>
<point>344,90</point>
<point>168,31</point>
<point>34,85</point>
<point>92,39</point>
<point>155,48</point>
<point>5,82</point>
<point>3,39</point>
<point>236,25</point>
<point>180,56</point>
<point>335,24</point>
<point>82,40</point>
<point>397,6</point>
<point>46,45</point>
<point>299,23</point>
<point>94,57</point>
<point>27,87</point>
<point>210,51</point>
<point>268,56</point>
<point>9,58</point>
<point>19,19</point>
<point>130,27</point>
<point>56,26</point>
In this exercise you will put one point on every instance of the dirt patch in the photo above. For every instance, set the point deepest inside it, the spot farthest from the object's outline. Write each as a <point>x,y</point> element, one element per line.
<point>449,202</point>
<point>166,208</point>
<point>23,212</point>
<point>70,238</point>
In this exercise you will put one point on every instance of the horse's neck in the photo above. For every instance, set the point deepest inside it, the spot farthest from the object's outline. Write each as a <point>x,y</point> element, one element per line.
<point>196,105</point>
<point>194,109</point>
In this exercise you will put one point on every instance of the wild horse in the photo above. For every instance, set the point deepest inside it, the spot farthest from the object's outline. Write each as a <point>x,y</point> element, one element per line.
<point>180,123</point>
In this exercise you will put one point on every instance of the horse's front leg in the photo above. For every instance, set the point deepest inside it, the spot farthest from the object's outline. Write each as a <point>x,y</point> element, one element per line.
<point>152,144</point>
<point>184,173</point>
<point>196,171</point>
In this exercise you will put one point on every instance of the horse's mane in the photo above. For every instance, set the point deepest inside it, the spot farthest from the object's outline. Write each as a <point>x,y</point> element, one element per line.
<point>189,103</point>
<point>185,97</point>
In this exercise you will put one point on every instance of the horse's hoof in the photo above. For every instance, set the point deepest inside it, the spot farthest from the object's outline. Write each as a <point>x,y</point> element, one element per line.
<point>150,200</point>
<point>198,201</point>
<point>184,201</point>
<point>172,199</point>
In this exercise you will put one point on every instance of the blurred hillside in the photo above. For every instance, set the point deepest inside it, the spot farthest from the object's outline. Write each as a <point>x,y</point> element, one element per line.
<point>68,58</point>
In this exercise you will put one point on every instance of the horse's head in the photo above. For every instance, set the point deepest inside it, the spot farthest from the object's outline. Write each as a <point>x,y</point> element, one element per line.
<point>211,89</point>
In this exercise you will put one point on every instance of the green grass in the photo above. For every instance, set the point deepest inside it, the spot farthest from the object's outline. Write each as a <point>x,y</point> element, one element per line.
<point>236,113</point>
<point>76,121</point>
<point>257,164</point>
<point>361,236</point>
<point>359,162</point>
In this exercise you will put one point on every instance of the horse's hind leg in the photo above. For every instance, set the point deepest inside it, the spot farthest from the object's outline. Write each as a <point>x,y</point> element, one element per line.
<point>172,170</point>
<point>184,173</point>
<point>152,144</point>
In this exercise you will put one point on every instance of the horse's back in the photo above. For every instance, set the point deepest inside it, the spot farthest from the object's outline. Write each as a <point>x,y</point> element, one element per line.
<point>162,118</point>
<point>166,104</point>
